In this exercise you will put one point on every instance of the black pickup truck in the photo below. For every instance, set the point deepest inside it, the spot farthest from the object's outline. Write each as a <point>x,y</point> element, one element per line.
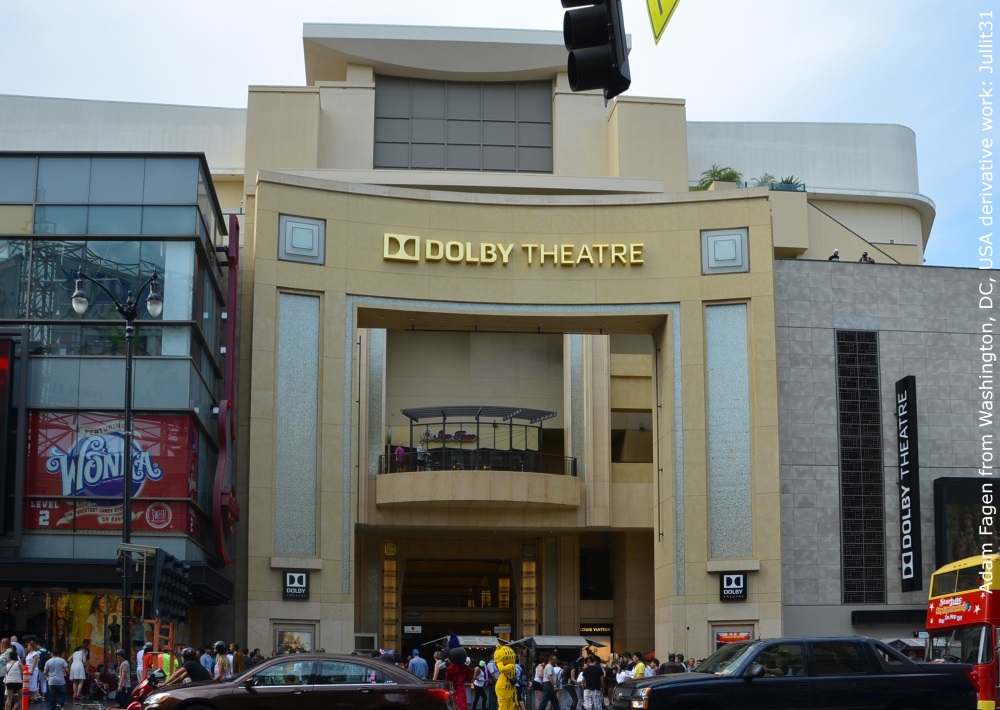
<point>805,674</point>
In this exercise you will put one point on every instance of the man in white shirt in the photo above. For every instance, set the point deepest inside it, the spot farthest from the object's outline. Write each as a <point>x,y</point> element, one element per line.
<point>549,686</point>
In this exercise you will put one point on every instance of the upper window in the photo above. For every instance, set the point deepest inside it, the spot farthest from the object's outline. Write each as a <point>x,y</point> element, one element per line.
<point>432,125</point>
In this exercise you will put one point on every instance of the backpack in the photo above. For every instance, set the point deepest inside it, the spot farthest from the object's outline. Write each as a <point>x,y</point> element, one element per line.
<point>43,657</point>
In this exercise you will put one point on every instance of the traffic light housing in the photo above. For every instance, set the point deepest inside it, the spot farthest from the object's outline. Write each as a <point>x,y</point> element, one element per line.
<point>594,34</point>
<point>171,588</point>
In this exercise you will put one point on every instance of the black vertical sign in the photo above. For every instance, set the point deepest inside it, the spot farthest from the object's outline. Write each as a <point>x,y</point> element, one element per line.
<point>908,457</point>
<point>7,484</point>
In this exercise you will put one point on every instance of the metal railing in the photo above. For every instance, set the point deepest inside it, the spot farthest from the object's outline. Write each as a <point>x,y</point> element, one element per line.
<point>478,460</point>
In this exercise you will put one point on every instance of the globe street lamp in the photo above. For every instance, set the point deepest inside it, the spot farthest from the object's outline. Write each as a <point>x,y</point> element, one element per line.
<point>128,310</point>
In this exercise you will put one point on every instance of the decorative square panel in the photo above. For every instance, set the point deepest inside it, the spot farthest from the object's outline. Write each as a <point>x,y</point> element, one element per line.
<point>724,251</point>
<point>301,239</point>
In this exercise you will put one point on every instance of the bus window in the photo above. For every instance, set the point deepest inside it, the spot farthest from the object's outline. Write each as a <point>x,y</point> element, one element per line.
<point>969,578</point>
<point>965,645</point>
<point>944,583</point>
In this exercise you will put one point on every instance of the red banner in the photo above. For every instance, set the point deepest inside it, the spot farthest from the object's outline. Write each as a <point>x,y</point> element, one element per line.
<point>724,637</point>
<point>69,515</point>
<point>958,609</point>
<point>81,455</point>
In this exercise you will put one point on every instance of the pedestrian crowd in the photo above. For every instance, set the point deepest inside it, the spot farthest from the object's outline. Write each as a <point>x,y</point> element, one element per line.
<point>54,679</point>
<point>47,673</point>
<point>588,682</point>
<point>591,681</point>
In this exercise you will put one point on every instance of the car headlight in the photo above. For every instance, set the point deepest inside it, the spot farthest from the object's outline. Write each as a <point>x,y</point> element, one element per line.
<point>155,699</point>
<point>639,699</point>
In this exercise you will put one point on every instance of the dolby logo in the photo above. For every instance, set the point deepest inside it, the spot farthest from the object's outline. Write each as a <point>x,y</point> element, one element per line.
<point>296,585</point>
<point>733,586</point>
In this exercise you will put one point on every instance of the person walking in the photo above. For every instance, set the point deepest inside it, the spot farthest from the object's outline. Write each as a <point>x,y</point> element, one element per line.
<point>207,660</point>
<point>223,667</point>
<point>124,678</point>
<point>55,676</point>
<point>31,661</point>
<point>571,677</point>
<point>13,679</point>
<point>592,680</point>
<point>459,675</point>
<point>77,673</point>
<point>417,665</point>
<point>239,660</point>
<point>549,685</point>
<point>479,686</point>
<point>439,666</point>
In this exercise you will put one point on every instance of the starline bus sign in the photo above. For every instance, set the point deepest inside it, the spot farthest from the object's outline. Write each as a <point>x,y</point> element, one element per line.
<point>957,609</point>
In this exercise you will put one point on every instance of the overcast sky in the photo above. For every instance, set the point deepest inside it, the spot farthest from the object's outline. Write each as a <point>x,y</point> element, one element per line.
<point>910,62</point>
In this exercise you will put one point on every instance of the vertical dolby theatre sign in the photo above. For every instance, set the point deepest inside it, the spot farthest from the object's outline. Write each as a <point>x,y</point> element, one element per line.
<point>908,458</point>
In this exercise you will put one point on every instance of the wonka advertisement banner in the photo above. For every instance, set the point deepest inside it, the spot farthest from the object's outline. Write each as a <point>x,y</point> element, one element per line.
<point>67,514</point>
<point>81,455</point>
<point>76,471</point>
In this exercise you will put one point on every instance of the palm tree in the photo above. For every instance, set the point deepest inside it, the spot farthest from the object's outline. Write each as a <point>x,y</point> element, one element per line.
<point>765,179</point>
<point>717,173</point>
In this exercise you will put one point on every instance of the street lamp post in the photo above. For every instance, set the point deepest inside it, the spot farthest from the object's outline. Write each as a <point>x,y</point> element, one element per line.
<point>128,310</point>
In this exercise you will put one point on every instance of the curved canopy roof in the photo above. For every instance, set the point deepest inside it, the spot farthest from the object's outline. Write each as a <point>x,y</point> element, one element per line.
<point>477,412</point>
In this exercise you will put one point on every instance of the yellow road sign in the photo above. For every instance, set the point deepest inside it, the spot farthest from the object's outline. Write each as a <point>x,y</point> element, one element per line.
<point>660,12</point>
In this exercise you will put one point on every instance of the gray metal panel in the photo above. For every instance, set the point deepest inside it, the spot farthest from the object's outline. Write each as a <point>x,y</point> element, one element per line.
<point>411,130</point>
<point>464,101</point>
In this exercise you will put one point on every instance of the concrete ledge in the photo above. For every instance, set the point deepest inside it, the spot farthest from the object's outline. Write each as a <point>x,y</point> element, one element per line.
<point>296,563</point>
<point>477,488</point>
<point>732,566</point>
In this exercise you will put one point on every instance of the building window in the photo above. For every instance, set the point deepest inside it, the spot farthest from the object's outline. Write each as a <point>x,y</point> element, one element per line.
<point>432,125</point>
<point>862,504</point>
<point>595,573</point>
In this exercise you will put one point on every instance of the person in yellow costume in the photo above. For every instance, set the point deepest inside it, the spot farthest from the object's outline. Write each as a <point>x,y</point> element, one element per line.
<point>506,688</point>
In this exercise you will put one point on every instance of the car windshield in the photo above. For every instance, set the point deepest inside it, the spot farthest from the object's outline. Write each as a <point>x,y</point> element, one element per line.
<point>726,660</point>
<point>966,645</point>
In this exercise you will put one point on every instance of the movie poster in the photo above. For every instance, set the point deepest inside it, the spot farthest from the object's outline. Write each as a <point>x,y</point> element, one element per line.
<point>93,617</point>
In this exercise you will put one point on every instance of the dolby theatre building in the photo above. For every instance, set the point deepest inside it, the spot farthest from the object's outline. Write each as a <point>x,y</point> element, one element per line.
<point>503,372</point>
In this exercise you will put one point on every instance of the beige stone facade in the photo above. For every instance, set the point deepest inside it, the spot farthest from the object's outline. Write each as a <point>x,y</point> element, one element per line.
<point>589,290</point>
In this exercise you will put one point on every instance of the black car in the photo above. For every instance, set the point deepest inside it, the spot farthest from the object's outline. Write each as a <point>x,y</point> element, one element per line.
<point>805,674</point>
<point>310,682</point>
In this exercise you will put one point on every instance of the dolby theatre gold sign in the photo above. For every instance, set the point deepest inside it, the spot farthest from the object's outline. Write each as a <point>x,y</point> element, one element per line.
<point>406,247</point>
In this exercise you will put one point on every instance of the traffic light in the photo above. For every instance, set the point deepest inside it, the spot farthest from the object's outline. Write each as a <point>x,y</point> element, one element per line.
<point>171,587</point>
<point>594,34</point>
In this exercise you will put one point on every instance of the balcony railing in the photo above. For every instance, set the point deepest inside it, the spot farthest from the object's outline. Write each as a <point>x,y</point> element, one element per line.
<point>479,460</point>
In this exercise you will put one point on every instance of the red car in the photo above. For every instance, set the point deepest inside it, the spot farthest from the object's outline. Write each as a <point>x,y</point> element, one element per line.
<point>306,681</point>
